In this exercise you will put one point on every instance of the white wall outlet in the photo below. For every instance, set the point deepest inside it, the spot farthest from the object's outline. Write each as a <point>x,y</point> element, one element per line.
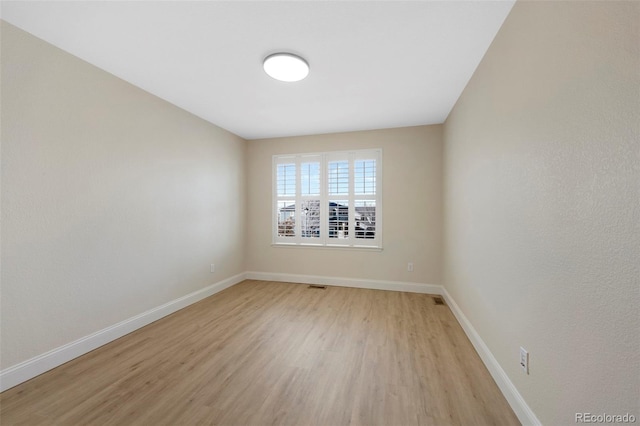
<point>524,360</point>
<point>410,266</point>
<point>213,267</point>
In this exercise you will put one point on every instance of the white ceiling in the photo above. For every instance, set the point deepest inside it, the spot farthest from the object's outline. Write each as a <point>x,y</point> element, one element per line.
<point>374,64</point>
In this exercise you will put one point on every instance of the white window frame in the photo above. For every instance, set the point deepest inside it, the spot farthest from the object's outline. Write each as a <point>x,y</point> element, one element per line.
<point>324,240</point>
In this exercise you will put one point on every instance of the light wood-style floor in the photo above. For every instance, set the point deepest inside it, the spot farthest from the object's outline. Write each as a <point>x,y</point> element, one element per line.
<point>267,353</point>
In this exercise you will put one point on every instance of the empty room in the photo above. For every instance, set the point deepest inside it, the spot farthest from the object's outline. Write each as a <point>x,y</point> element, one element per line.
<point>320,212</point>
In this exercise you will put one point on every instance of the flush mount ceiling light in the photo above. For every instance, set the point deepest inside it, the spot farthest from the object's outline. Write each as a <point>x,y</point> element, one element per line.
<point>286,67</point>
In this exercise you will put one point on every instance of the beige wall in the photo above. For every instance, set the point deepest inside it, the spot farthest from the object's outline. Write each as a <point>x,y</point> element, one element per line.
<point>542,208</point>
<point>113,201</point>
<point>412,209</point>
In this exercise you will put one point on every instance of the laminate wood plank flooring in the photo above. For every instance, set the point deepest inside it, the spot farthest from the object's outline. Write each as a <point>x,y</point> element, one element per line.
<point>268,353</point>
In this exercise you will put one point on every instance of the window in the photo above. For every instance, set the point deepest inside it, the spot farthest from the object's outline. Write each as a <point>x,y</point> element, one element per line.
<point>328,199</point>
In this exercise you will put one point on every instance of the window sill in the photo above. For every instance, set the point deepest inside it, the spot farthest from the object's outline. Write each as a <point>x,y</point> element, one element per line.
<point>326,247</point>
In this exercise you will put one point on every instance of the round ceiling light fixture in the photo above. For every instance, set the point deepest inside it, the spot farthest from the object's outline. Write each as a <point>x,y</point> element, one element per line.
<point>286,67</point>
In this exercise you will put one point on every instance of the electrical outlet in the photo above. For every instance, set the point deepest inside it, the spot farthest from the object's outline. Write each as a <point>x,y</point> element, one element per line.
<point>213,267</point>
<point>524,360</point>
<point>410,266</point>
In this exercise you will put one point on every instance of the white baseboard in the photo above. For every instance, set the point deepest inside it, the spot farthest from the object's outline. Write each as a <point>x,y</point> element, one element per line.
<point>33,367</point>
<point>511,394</point>
<point>347,282</point>
<point>508,389</point>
